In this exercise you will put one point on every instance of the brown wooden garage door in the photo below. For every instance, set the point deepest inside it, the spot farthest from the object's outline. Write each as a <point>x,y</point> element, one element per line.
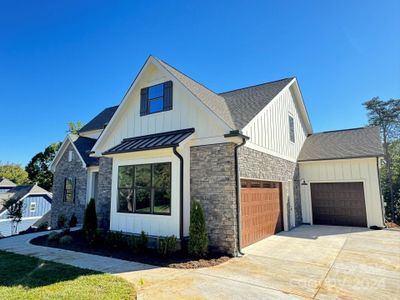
<point>261,210</point>
<point>339,204</point>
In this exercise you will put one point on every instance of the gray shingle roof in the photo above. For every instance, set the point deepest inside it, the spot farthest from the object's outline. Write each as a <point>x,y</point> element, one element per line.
<point>212,100</point>
<point>236,108</point>
<point>4,182</point>
<point>84,145</point>
<point>101,120</point>
<point>244,104</point>
<point>18,192</point>
<point>341,144</point>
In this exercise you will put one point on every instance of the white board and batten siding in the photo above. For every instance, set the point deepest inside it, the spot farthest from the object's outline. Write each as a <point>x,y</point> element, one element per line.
<point>269,130</point>
<point>344,170</point>
<point>187,112</point>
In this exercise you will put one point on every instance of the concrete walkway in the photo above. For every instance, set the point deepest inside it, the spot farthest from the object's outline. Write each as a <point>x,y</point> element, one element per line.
<point>309,262</point>
<point>20,244</point>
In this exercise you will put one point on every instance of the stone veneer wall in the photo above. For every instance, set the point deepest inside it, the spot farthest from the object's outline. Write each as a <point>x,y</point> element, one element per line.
<point>75,170</point>
<point>103,203</point>
<point>259,165</point>
<point>212,182</point>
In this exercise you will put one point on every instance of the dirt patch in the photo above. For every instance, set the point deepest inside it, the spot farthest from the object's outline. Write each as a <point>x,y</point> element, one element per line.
<point>177,260</point>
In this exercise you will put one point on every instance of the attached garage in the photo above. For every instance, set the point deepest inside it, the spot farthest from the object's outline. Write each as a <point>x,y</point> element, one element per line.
<point>339,171</point>
<point>339,203</point>
<point>261,210</point>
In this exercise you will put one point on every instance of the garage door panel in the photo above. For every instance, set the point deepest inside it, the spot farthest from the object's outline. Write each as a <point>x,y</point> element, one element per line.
<point>339,203</point>
<point>261,213</point>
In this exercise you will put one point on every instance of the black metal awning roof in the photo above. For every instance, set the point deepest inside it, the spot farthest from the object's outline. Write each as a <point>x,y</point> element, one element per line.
<point>152,141</point>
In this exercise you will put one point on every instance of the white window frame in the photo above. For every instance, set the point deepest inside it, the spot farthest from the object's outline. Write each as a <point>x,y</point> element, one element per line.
<point>32,207</point>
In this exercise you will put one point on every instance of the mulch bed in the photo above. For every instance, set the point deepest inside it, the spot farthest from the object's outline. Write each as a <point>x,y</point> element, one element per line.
<point>178,260</point>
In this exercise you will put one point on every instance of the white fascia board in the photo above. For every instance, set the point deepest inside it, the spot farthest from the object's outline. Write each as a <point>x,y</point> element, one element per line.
<point>303,107</point>
<point>154,61</point>
<point>301,104</point>
<point>205,107</point>
<point>59,154</point>
<point>106,130</point>
<point>76,150</point>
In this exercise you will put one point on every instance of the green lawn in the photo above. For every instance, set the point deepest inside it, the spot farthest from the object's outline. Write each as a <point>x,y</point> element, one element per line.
<point>23,277</point>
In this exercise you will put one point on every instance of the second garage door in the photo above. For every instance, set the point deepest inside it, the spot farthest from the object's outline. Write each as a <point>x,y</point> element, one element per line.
<point>261,210</point>
<point>341,203</point>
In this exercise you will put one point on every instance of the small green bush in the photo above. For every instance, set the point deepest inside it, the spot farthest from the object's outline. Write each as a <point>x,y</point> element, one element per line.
<point>198,238</point>
<point>166,246</point>
<point>143,241</point>
<point>73,221</point>
<point>90,222</point>
<point>65,231</point>
<point>115,239</point>
<point>61,221</point>
<point>133,244</point>
<point>43,226</point>
<point>53,236</point>
<point>65,240</point>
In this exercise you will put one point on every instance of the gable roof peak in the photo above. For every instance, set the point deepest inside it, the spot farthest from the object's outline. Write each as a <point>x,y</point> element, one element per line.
<point>259,85</point>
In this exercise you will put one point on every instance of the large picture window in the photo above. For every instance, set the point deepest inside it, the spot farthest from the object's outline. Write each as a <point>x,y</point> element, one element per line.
<point>68,190</point>
<point>145,189</point>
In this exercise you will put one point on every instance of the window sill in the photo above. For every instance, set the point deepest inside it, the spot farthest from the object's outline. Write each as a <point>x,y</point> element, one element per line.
<point>142,214</point>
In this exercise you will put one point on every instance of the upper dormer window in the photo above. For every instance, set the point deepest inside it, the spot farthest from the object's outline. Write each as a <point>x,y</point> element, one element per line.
<point>291,129</point>
<point>156,98</point>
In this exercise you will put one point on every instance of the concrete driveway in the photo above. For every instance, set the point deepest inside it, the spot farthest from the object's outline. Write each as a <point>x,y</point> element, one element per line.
<point>321,262</point>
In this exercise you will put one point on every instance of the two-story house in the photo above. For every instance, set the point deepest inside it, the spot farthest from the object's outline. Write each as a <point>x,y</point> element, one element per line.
<point>248,155</point>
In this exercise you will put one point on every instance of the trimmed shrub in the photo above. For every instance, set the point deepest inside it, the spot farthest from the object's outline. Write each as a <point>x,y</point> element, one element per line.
<point>115,239</point>
<point>198,238</point>
<point>133,244</point>
<point>167,246</point>
<point>53,236</point>
<point>65,240</point>
<point>65,231</point>
<point>61,221</point>
<point>43,226</point>
<point>73,221</point>
<point>89,228</point>
<point>143,241</point>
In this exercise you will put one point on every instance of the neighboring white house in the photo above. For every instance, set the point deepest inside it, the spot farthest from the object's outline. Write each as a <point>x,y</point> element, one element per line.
<point>243,154</point>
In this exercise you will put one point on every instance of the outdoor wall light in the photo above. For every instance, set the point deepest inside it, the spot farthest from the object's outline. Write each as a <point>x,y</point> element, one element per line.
<point>303,182</point>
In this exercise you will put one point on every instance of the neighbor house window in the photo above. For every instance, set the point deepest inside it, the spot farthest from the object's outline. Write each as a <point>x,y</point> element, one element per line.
<point>68,190</point>
<point>145,189</point>
<point>156,98</point>
<point>291,128</point>
<point>32,207</point>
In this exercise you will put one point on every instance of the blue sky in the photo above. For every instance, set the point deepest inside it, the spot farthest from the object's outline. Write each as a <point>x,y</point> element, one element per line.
<point>65,61</point>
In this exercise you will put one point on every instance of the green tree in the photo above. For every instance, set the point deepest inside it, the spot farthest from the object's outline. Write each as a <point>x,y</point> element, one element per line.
<point>386,115</point>
<point>198,238</point>
<point>89,227</point>
<point>14,172</point>
<point>14,212</point>
<point>394,150</point>
<point>38,167</point>
<point>74,127</point>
